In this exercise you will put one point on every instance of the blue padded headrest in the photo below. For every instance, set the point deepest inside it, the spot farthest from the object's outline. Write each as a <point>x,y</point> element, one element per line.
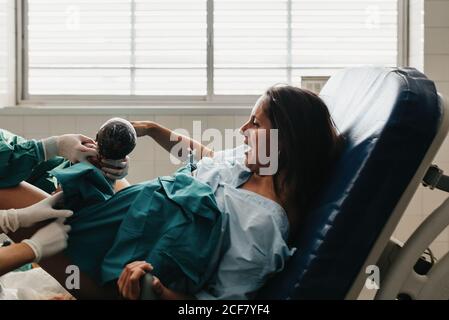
<point>389,118</point>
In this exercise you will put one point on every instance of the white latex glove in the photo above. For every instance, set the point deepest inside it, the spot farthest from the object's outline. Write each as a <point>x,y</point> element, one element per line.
<point>119,170</point>
<point>13,219</point>
<point>73,147</point>
<point>49,240</point>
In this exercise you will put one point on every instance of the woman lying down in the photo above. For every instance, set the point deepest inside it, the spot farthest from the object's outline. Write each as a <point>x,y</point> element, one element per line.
<point>214,230</point>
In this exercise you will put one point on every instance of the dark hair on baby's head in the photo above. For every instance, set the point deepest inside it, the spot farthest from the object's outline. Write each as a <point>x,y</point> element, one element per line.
<point>116,139</point>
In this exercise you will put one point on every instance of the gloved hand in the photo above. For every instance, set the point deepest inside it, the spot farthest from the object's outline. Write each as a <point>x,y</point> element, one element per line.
<point>13,219</point>
<point>73,147</point>
<point>49,240</point>
<point>115,169</point>
<point>42,211</point>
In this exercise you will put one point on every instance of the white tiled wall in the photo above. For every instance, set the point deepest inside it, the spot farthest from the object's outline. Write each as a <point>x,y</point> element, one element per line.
<point>436,67</point>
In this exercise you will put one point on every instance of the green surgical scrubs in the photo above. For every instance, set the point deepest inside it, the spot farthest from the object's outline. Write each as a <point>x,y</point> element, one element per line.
<point>172,222</point>
<point>24,160</point>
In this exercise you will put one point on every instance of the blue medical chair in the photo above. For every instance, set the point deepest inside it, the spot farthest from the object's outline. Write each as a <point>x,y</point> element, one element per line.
<point>393,122</point>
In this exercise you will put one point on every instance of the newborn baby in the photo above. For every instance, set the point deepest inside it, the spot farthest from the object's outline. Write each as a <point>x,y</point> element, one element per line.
<point>115,139</point>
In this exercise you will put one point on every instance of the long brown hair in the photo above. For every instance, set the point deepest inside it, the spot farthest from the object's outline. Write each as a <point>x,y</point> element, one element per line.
<point>308,144</point>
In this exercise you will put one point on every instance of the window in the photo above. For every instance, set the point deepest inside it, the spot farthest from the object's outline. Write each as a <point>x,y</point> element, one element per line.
<point>3,50</point>
<point>198,50</point>
<point>117,47</point>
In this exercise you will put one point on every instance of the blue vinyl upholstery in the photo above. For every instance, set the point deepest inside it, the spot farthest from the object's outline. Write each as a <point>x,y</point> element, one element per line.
<point>389,117</point>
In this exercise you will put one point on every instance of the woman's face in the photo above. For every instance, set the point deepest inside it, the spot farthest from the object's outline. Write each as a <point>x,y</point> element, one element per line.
<point>258,138</point>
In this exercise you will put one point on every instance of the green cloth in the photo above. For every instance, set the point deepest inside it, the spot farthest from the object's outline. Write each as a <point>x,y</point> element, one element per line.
<point>172,222</point>
<point>40,176</point>
<point>18,157</point>
<point>23,160</point>
<point>25,267</point>
<point>83,185</point>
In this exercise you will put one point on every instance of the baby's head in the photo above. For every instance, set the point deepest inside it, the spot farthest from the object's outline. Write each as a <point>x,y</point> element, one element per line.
<point>116,139</point>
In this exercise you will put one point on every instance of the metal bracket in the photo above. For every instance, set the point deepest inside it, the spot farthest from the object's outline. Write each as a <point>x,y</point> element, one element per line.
<point>435,178</point>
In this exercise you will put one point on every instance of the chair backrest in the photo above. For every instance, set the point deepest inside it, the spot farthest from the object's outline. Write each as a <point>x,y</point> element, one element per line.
<point>389,118</point>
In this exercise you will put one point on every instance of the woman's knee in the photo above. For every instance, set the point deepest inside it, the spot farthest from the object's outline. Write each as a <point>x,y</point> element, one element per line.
<point>21,196</point>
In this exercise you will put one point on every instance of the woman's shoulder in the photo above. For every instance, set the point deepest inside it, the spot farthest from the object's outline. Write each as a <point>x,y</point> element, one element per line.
<point>225,167</point>
<point>230,155</point>
<point>255,213</point>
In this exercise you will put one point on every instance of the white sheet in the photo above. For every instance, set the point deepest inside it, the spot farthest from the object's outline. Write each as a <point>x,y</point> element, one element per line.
<point>34,284</point>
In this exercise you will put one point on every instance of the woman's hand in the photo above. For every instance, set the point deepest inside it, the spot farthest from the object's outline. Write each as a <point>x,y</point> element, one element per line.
<point>115,169</point>
<point>129,281</point>
<point>142,127</point>
<point>171,141</point>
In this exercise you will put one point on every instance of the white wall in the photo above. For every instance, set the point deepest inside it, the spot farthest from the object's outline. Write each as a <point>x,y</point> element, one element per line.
<point>416,34</point>
<point>7,54</point>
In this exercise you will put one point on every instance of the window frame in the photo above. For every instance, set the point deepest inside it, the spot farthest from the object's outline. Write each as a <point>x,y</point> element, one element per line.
<point>209,100</point>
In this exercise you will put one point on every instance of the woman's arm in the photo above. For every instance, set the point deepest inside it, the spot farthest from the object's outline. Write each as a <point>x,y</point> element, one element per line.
<point>15,256</point>
<point>167,139</point>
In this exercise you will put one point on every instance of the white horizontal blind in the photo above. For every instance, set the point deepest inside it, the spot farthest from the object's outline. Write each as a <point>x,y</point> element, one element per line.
<point>337,34</point>
<point>262,42</point>
<point>250,43</point>
<point>159,47</point>
<point>117,47</point>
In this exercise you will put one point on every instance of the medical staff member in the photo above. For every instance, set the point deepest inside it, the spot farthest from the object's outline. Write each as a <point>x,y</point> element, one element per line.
<point>46,242</point>
<point>18,157</point>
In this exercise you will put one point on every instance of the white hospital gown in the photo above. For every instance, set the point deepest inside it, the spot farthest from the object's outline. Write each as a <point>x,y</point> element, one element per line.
<point>257,230</point>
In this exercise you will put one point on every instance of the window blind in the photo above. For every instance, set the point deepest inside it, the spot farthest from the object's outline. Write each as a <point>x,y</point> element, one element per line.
<point>261,42</point>
<point>151,47</point>
<point>109,47</point>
